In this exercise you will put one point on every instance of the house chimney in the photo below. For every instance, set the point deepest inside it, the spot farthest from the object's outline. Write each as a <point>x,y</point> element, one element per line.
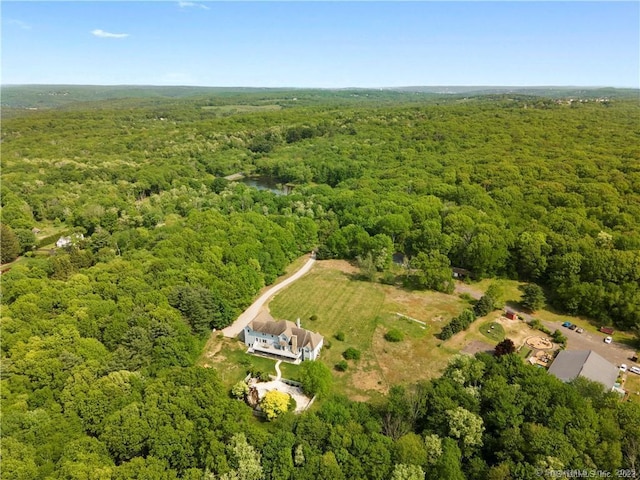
<point>298,323</point>
<point>294,344</point>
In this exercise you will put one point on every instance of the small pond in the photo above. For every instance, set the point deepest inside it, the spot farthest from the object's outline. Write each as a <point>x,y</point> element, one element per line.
<point>266,183</point>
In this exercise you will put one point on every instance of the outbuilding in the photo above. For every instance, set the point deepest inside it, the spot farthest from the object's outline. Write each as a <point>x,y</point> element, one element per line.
<point>570,364</point>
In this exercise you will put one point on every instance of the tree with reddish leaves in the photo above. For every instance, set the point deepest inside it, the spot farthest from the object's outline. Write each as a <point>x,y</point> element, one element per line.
<point>505,347</point>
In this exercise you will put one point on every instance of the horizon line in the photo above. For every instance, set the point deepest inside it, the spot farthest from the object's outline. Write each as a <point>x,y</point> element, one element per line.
<point>314,88</point>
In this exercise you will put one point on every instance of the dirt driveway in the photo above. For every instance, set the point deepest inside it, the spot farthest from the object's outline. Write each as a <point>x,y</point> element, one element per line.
<point>616,353</point>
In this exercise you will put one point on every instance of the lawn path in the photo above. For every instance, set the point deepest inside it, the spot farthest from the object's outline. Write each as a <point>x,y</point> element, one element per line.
<point>250,313</point>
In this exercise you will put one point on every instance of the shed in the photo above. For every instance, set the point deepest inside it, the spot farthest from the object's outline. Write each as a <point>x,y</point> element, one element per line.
<point>511,315</point>
<point>460,273</point>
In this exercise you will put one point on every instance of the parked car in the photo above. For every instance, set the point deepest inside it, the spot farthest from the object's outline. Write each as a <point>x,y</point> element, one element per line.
<point>580,330</point>
<point>635,370</point>
<point>608,340</point>
<point>623,368</point>
<point>567,324</point>
<point>573,327</point>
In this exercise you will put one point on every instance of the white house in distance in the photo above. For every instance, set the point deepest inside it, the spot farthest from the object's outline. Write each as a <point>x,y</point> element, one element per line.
<point>70,240</point>
<point>282,338</point>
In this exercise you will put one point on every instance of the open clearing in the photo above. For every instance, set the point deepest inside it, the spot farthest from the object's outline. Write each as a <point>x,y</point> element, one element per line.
<point>364,312</point>
<point>332,294</point>
<point>234,109</point>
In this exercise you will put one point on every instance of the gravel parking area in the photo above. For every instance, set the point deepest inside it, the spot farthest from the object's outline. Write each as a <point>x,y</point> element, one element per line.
<point>616,353</point>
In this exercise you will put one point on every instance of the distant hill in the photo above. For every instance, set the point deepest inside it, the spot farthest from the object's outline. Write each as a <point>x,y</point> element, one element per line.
<point>549,92</point>
<point>57,96</point>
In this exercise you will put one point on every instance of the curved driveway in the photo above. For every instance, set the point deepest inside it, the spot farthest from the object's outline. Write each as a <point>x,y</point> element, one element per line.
<point>250,313</point>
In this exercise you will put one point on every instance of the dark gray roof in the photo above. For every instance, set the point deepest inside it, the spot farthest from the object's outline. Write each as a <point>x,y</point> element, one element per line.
<point>264,323</point>
<point>570,364</point>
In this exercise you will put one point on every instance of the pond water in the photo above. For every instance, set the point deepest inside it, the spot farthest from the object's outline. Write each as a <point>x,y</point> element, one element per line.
<point>265,183</point>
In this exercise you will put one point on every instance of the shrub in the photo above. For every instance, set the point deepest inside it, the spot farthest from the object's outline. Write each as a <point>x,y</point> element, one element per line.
<point>466,297</point>
<point>342,366</point>
<point>394,335</point>
<point>240,389</point>
<point>558,337</point>
<point>388,278</point>
<point>447,332</point>
<point>535,323</point>
<point>457,324</point>
<point>274,404</point>
<point>259,374</point>
<point>313,317</point>
<point>339,336</point>
<point>351,354</point>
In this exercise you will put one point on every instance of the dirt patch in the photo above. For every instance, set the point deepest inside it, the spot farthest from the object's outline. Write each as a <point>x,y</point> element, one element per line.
<point>426,306</point>
<point>477,346</point>
<point>369,378</point>
<point>211,353</point>
<point>475,292</point>
<point>539,343</point>
<point>516,330</point>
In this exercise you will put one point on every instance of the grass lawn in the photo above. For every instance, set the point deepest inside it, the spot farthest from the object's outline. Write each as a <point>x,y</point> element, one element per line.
<point>364,312</point>
<point>632,385</point>
<point>231,361</point>
<point>509,290</point>
<point>493,331</point>
<point>524,352</point>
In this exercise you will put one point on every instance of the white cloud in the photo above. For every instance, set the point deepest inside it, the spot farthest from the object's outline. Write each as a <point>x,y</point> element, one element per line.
<point>103,34</point>
<point>19,23</point>
<point>182,4</point>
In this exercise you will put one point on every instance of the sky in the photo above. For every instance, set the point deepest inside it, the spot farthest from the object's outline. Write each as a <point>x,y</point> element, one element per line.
<point>329,44</point>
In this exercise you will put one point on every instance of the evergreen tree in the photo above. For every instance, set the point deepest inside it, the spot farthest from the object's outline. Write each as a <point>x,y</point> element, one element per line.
<point>9,244</point>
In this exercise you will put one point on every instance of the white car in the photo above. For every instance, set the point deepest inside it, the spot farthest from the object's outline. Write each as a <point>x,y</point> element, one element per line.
<point>635,370</point>
<point>608,340</point>
<point>623,368</point>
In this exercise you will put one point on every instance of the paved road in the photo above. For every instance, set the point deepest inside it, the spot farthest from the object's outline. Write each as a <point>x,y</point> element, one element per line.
<point>250,313</point>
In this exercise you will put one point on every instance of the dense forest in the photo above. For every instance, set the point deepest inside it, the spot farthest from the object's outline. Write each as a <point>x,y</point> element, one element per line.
<point>99,338</point>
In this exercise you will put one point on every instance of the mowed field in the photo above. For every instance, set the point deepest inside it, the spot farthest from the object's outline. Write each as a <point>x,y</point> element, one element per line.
<point>364,312</point>
<point>331,299</point>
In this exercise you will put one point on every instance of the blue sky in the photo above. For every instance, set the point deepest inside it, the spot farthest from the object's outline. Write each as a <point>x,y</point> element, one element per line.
<point>322,44</point>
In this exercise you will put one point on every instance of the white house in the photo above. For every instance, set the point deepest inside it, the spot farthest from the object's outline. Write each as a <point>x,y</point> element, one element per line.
<point>68,241</point>
<point>282,338</point>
